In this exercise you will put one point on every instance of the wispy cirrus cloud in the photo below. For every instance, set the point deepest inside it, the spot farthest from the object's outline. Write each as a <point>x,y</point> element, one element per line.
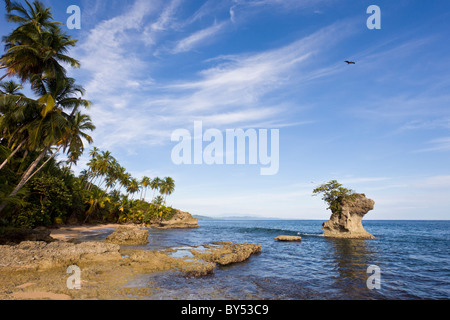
<point>134,107</point>
<point>198,37</point>
<point>440,144</point>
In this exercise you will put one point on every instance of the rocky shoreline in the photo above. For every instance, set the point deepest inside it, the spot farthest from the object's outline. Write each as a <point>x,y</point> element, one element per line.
<point>38,269</point>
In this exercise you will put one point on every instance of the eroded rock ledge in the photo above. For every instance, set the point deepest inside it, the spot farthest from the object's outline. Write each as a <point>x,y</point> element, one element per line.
<point>346,223</point>
<point>39,254</point>
<point>200,260</point>
<point>128,235</point>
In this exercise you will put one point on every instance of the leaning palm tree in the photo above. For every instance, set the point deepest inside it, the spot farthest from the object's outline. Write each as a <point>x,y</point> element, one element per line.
<point>52,128</point>
<point>9,125</point>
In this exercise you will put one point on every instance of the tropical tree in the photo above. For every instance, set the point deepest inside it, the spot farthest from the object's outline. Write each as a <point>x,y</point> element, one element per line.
<point>332,193</point>
<point>167,187</point>
<point>37,47</point>
<point>154,184</point>
<point>10,87</point>
<point>97,200</point>
<point>51,128</point>
<point>145,182</point>
<point>133,186</point>
<point>79,123</point>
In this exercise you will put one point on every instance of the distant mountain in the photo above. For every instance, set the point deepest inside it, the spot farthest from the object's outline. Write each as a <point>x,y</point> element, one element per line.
<point>199,217</point>
<point>233,217</point>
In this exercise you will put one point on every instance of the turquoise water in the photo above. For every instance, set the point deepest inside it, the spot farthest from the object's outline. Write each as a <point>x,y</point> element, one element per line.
<point>413,257</point>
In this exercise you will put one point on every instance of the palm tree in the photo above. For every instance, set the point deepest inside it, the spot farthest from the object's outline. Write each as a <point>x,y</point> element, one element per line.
<point>97,199</point>
<point>52,126</point>
<point>8,122</point>
<point>145,182</point>
<point>75,147</point>
<point>133,186</point>
<point>10,87</point>
<point>167,187</point>
<point>37,46</point>
<point>154,184</point>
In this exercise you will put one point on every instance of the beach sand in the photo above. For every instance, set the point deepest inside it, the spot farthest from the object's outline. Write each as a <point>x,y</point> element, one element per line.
<point>71,232</point>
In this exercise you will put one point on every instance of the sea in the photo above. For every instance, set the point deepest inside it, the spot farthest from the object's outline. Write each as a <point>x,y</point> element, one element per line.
<point>407,260</point>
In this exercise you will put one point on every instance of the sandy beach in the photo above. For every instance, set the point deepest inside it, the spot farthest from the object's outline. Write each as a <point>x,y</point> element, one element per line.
<point>71,232</point>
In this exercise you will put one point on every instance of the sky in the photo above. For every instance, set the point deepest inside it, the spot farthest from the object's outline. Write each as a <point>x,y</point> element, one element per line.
<point>380,126</point>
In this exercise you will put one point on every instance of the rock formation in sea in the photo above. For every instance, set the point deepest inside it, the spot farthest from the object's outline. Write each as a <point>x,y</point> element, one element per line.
<point>288,238</point>
<point>202,260</point>
<point>181,219</point>
<point>346,222</point>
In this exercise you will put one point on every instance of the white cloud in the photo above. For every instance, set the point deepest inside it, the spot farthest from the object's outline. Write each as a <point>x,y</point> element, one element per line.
<point>442,181</point>
<point>441,144</point>
<point>233,92</point>
<point>197,38</point>
<point>104,54</point>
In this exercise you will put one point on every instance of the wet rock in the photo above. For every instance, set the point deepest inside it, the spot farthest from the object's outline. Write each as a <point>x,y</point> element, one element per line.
<point>16,236</point>
<point>128,235</point>
<point>346,222</point>
<point>288,238</point>
<point>226,252</point>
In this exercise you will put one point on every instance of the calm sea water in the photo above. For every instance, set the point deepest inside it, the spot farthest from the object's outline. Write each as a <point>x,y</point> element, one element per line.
<point>413,257</point>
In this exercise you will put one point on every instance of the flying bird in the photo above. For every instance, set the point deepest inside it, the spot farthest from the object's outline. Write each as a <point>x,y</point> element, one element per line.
<point>349,62</point>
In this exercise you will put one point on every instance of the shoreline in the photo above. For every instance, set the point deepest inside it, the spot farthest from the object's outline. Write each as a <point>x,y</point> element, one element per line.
<point>71,232</point>
<point>35,270</point>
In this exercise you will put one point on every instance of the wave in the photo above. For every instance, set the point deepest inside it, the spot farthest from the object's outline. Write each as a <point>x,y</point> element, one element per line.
<point>277,231</point>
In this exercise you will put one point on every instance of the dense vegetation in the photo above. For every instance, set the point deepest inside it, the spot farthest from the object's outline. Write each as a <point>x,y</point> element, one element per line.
<point>35,131</point>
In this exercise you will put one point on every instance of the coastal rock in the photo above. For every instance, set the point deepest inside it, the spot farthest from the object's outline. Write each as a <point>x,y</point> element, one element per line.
<point>288,238</point>
<point>32,254</point>
<point>128,235</point>
<point>346,223</point>
<point>226,252</point>
<point>180,220</point>
<point>202,260</point>
<point>16,236</point>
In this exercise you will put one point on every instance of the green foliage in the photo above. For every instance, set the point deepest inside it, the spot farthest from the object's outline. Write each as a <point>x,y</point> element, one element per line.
<point>35,189</point>
<point>333,193</point>
<point>145,212</point>
<point>48,202</point>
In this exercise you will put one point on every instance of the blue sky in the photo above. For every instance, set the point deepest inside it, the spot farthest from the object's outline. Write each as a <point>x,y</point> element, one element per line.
<point>380,127</point>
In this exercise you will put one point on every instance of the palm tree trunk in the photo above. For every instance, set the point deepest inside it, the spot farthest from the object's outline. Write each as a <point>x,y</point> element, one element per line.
<point>25,176</point>
<point>12,154</point>
<point>52,156</point>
